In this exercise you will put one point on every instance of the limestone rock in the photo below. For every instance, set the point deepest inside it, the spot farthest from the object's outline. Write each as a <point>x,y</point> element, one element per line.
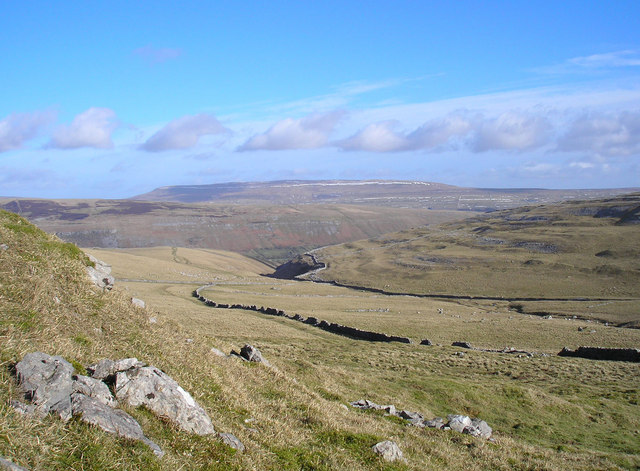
<point>251,353</point>
<point>458,422</point>
<point>405,414</point>
<point>231,440</point>
<point>138,302</point>
<point>388,450</point>
<point>478,428</point>
<point>3,247</point>
<point>217,352</point>
<point>47,382</point>
<point>436,422</point>
<point>100,275</point>
<point>105,368</point>
<point>10,465</point>
<point>152,388</point>
<point>22,408</point>
<point>110,420</point>
<point>94,388</point>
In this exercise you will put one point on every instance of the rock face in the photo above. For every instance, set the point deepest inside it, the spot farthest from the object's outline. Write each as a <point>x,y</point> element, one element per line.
<point>150,387</point>
<point>46,381</point>
<point>114,421</point>
<point>388,450</point>
<point>100,274</point>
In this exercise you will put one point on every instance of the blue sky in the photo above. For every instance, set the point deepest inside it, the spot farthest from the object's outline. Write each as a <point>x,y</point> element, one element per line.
<point>112,99</point>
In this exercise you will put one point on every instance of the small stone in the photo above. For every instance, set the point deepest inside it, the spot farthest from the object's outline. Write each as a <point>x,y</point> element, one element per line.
<point>4,247</point>
<point>138,302</point>
<point>188,340</point>
<point>217,352</point>
<point>425,342</point>
<point>388,450</point>
<point>153,320</point>
<point>231,440</point>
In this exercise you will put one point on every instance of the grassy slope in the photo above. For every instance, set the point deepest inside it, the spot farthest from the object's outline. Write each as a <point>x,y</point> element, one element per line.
<point>545,251</point>
<point>562,414</point>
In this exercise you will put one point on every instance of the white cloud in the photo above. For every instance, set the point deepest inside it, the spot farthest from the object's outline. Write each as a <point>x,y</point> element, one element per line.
<point>310,132</point>
<point>17,128</point>
<point>183,133</point>
<point>512,130</point>
<point>508,131</point>
<point>605,134</point>
<point>92,128</point>
<point>155,55</point>
<point>376,137</point>
<point>627,58</point>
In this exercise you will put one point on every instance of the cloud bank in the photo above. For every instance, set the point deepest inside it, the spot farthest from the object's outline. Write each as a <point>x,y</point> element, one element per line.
<point>183,133</point>
<point>17,128</point>
<point>92,128</point>
<point>311,132</point>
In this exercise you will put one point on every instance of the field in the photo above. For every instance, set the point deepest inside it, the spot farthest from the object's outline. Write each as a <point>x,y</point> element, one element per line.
<point>547,412</point>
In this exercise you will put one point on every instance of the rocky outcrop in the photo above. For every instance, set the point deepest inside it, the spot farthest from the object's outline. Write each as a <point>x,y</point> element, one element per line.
<point>388,450</point>
<point>251,353</point>
<point>460,423</point>
<point>100,273</point>
<point>332,327</point>
<point>603,353</point>
<point>50,386</point>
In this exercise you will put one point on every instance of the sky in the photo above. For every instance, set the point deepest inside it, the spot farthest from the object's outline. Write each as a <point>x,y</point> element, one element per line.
<point>114,99</point>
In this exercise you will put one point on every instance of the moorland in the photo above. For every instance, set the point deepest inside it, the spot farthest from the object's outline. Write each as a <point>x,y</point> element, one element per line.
<point>537,279</point>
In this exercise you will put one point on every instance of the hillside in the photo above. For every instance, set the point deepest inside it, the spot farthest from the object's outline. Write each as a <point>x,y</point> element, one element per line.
<point>388,193</point>
<point>565,251</point>
<point>269,233</point>
<point>292,415</point>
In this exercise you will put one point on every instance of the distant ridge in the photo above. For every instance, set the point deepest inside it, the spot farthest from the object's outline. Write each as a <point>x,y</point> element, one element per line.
<point>393,193</point>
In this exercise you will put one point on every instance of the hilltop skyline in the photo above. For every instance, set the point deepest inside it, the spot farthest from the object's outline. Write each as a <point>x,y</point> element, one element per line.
<point>112,100</point>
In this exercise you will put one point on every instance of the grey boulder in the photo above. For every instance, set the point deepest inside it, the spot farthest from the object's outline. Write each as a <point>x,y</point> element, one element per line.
<point>47,382</point>
<point>152,388</point>
<point>388,450</point>
<point>114,421</point>
<point>478,428</point>
<point>458,422</point>
<point>251,353</point>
